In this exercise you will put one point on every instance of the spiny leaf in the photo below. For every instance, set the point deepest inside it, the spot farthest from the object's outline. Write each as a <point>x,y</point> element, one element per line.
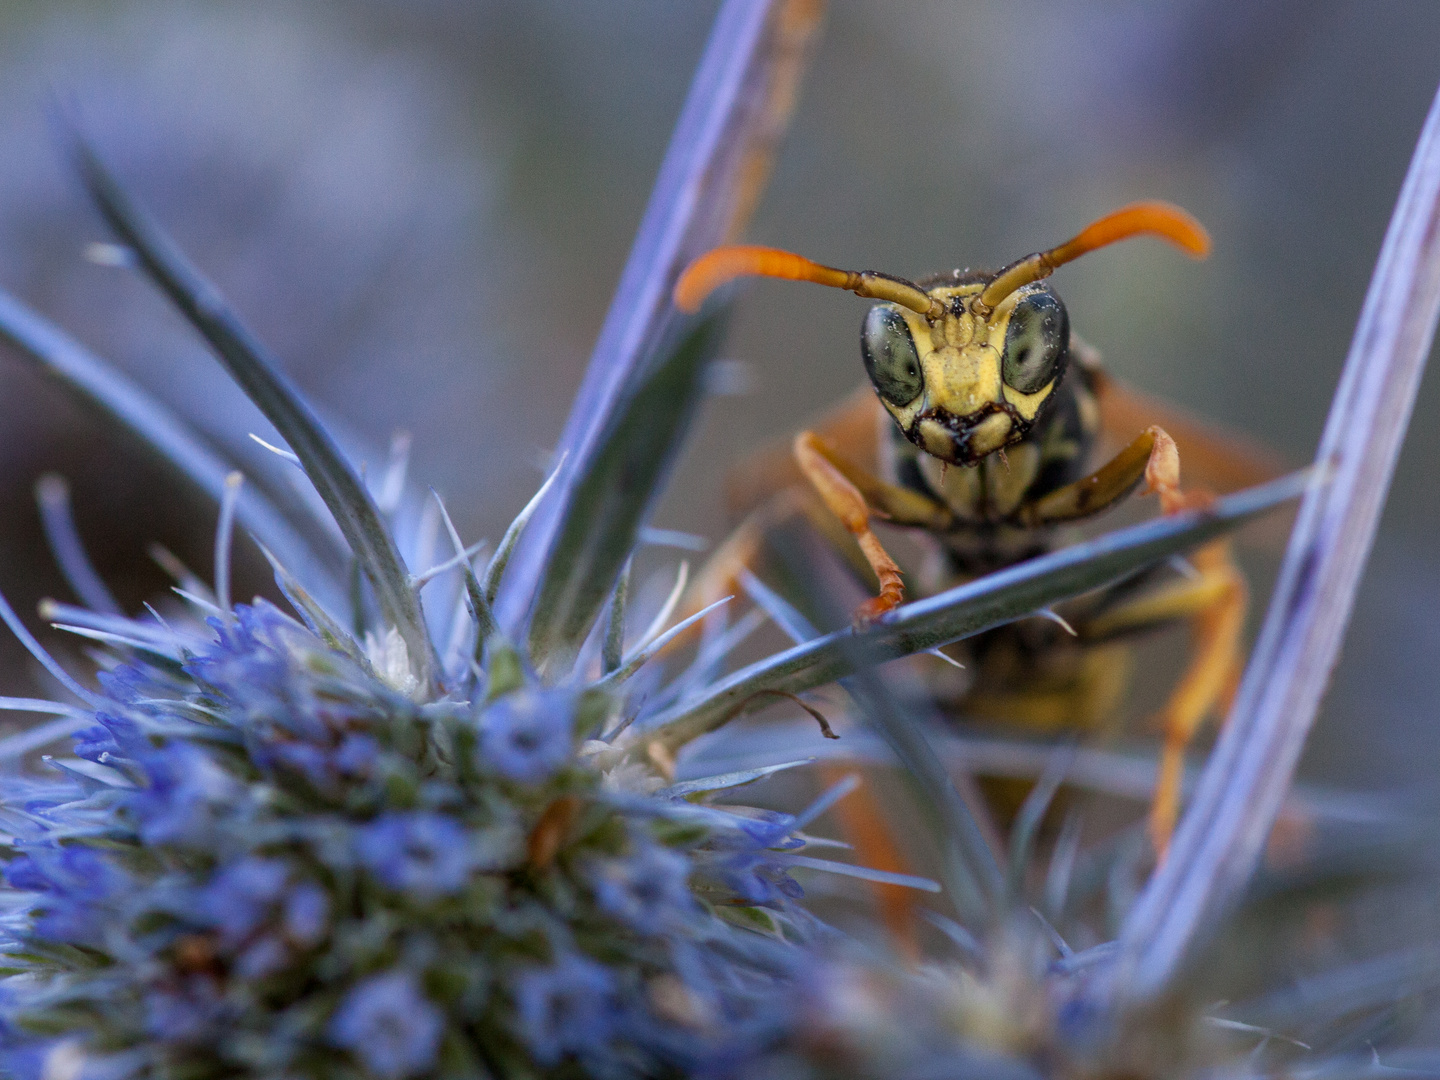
<point>650,650</point>
<point>259,375</point>
<point>969,609</point>
<point>495,569</point>
<point>1221,838</point>
<point>475,600</point>
<point>614,491</point>
<point>315,615</point>
<point>97,385</point>
<point>727,780</point>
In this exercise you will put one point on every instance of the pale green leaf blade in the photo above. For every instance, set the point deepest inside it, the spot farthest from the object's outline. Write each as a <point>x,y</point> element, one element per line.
<point>614,492</point>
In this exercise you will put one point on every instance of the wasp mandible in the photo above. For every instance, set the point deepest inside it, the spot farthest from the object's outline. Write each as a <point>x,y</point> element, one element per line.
<point>991,407</point>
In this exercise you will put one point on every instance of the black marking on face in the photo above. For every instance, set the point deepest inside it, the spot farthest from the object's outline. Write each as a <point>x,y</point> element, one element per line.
<point>1035,342</point>
<point>891,359</point>
<point>962,428</point>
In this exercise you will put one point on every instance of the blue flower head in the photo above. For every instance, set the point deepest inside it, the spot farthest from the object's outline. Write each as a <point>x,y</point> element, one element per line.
<point>528,735</point>
<point>389,1025</point>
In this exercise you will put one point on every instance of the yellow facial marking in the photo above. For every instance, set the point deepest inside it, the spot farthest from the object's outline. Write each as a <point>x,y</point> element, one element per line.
<point>962,380</point>
<point>937,440</point>
<point>990,434</point>
<point>1027,405</point>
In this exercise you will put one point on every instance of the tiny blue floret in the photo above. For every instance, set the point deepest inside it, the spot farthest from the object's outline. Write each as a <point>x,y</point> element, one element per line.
<point>650,890</point>
<point>566,1008</point>
<point>526,736</point>
<point>389,1024</point>
<point>422,854</point>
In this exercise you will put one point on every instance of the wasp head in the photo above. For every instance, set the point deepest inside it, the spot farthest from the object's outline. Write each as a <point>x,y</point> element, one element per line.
<point>970,381</point>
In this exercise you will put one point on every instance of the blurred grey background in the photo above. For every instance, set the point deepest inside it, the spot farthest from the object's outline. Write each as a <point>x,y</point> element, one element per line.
<point>423,206</point>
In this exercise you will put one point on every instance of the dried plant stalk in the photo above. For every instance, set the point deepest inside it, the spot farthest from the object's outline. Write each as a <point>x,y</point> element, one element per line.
<point>1223,833</point>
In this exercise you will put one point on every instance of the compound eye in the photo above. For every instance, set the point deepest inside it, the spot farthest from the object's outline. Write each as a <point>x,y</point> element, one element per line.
<point>1034,340</point>
<point>890,357</point>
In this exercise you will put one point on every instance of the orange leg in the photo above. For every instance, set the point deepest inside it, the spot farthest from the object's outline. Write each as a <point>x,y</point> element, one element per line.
<point>844,500</point>
<point>1151,457</point>
<point>721,574</point>
<point>863,823</point>
<point>1208,685</point>
<point>1215,603</point>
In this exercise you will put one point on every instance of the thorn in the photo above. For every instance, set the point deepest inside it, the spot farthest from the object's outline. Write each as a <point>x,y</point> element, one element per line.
<point>224,536</point>
<point>657,625</point>
<point>1053,617</point>
<point>1066,952</point>
<point>1184,567</point>
<point>948,659</point>
<point>286,454</point>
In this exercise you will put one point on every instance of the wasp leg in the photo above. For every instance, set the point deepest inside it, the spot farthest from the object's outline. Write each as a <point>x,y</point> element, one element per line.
<point>897,505</point>
<point>844,488</point>
<point>768,488</point>
<point>1215,602</point>
<point>863,823</point>
<point>1152,457</point>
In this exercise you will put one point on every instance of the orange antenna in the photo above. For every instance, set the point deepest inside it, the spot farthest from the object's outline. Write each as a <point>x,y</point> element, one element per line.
<point>1156,218</point>
<point>723,265</point>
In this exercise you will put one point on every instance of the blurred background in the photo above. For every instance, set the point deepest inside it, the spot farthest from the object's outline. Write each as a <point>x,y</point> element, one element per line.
<point>385,188</point>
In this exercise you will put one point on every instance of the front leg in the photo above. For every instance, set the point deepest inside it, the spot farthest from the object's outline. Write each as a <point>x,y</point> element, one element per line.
<point>1152,457</point>
<point>839,485</point>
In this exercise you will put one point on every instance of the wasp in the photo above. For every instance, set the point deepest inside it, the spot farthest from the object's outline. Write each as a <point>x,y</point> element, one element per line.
<point>982,414</point>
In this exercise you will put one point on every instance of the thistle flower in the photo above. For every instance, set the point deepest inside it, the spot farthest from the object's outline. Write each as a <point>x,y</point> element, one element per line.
<point>234,887</point>
<point>283,849</point>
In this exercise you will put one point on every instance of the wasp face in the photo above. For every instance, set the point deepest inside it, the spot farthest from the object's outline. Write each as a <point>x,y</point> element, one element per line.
<point>969,382</point>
